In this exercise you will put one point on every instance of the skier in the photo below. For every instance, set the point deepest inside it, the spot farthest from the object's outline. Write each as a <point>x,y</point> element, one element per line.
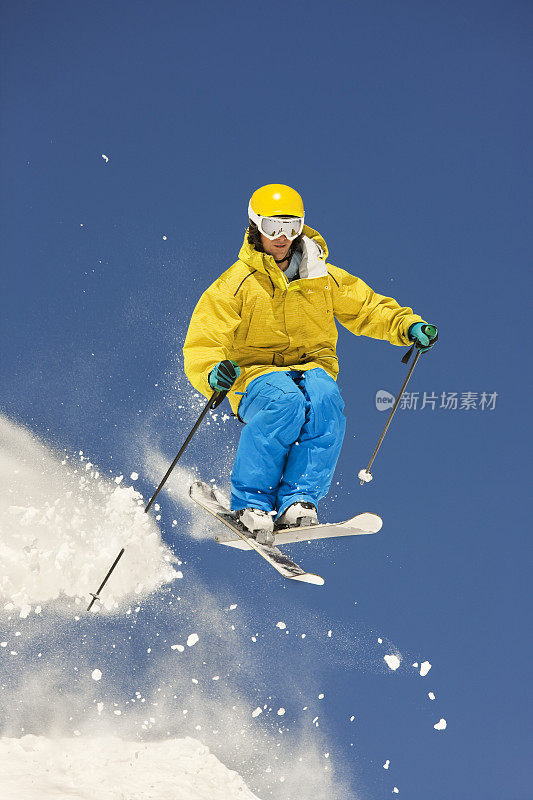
<point>265,332</point>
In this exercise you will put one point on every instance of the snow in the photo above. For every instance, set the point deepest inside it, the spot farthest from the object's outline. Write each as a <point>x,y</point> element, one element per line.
<point>35,767</point>
<point>431,695</point>
<point>386,765</point>
<point>441,725</point>
<point>393,662</point>
<point>62,527</point>
<point>62,524</point>
<point>424,668</point>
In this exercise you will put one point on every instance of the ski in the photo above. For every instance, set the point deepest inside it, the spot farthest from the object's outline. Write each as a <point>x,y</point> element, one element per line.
<point>360,525</point>
<point>204,495</point>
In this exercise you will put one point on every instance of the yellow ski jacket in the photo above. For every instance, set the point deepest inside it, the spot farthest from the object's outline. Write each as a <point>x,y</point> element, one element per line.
<point>254,316</point>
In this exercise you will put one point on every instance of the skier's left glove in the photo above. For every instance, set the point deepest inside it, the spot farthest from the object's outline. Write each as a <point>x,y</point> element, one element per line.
<point>424,336</point>
<point>223,375</point>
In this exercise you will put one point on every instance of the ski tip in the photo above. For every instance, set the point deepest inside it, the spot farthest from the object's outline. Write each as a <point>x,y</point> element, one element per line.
<point>309,577</point>
<point>370,522</point>
<point>194,488</point>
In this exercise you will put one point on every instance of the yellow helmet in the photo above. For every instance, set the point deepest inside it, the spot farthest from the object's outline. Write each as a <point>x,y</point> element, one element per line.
<point>276,199</point>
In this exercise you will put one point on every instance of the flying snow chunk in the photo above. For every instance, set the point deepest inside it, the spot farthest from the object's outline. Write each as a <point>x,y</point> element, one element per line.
<point>386,765</point>
<point>441,725</point>
<point>281,712</point>
<point>106,158</point>
<point>192,639</point>
<point>424,668</point>
<point>431,695</point>
<point>96,675</point>
<point>281,625</point>
<point>393,662</point>
<point>257,711</point>
<point>134,476</point>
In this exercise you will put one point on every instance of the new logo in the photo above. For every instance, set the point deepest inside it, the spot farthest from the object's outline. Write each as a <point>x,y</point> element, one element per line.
<point>384,400</point>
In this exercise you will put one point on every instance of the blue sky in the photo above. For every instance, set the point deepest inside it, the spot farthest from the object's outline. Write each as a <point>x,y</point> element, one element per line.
<point>407,129</point>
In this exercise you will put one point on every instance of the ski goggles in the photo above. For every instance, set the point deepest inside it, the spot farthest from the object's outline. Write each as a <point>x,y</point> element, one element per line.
<point>274,227</point>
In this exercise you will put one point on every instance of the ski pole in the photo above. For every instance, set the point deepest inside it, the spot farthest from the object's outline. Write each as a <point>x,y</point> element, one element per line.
<point>97,595</point>
<point>214,401</point>
<point>364,474</point>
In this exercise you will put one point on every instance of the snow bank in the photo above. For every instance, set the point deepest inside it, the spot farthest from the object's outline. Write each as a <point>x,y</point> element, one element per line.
<point>110,768</point>
<point>62,524</point>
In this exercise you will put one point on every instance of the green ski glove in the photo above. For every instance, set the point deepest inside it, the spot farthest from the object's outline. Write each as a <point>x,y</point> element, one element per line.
<point>223,375</point>
<point>424,336</point>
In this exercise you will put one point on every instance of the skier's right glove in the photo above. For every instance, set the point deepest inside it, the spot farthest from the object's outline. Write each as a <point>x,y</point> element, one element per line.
<point>424,336</point>
<point>223,375</point>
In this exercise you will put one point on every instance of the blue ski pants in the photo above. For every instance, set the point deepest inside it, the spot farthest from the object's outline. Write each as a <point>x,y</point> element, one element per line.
<point>291,441</point>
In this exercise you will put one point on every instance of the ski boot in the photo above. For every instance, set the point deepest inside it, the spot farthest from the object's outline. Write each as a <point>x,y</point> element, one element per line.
<point>259,523</point>
<point>298,515</point>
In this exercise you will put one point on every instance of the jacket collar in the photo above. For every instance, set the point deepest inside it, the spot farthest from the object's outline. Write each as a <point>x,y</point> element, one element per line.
<point>313,264</point>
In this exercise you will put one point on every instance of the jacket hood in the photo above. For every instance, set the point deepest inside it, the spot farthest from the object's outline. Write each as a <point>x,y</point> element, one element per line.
<point>261,261</point>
